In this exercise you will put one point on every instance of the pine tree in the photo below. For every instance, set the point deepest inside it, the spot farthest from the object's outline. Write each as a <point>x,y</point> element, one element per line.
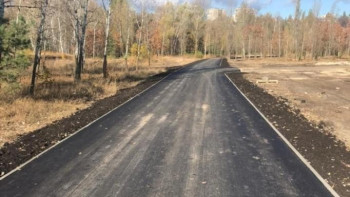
<point>14,38</point>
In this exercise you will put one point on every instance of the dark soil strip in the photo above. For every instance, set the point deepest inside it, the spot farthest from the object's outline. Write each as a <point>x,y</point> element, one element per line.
<point>29,145</point>
<point>327,155</point>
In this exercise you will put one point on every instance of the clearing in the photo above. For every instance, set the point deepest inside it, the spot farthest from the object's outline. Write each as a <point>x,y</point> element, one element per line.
<point>321,90</point>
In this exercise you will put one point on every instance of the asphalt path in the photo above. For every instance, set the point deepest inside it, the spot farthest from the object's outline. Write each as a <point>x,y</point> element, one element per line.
<point>192,134</point>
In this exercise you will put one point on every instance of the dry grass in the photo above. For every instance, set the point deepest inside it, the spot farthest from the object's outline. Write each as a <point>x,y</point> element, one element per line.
<point>49,55</point>
<point>25,115</point>
<point>57,95</point>
<point>287,61</point>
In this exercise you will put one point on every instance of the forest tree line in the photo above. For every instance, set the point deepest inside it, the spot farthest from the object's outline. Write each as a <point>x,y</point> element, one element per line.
<point>145,28</point>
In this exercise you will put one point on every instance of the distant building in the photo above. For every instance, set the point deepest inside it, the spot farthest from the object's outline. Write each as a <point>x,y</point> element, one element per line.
<point>246,10</point>
<point>214,13</point>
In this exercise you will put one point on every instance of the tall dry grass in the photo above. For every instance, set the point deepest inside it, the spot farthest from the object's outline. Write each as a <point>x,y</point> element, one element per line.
<point>58,96</point>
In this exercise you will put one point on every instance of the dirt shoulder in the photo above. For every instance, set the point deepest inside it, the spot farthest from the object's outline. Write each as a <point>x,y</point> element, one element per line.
<point>314,140</point>
<point>320,90</point>
<point>26,146</point>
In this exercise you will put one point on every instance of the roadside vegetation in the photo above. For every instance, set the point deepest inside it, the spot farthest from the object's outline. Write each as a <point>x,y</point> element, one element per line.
<point>58,96</point>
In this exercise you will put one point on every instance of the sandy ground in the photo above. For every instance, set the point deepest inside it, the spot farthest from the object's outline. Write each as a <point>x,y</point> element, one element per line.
<point>320,90</point>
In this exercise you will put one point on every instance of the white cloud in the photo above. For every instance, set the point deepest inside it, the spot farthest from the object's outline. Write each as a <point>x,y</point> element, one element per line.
<point>258,4</point>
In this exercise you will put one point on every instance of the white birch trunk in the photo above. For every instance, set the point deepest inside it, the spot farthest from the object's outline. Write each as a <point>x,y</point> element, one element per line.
<point>60,34</point>
<point>38,45</point>
<point>108,19</point>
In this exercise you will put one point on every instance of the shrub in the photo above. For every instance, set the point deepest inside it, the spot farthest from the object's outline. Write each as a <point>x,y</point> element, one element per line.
<point>143,51</point>
<point>11,68</point>
<point>198,54</point>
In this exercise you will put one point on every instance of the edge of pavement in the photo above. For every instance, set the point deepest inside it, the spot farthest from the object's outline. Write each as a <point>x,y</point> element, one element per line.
<point>284,139</point>
<point>18,168</point>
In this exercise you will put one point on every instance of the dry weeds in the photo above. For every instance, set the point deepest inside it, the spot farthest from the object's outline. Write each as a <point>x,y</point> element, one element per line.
<point>57,96</point>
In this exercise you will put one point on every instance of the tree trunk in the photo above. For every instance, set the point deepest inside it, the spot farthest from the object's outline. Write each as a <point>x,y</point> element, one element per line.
<point>60,34</point>
<point>127,49</point>
<point>296,29</point>
<point>349,47</point>
<point>196,39</point>
<point>205,48</point>
<point>38,45</point>
<point>162,48</point>
<point>196,45</point>
<point>54,39</point>
<point>209,51</point>
<point>2,10</point>
<point>80,43</point>
<point>19,10</point>
<point>148,49</point>
<point>262,48</point>
<point>279,39</point>
<point>286,49</point>
<point>94,42</point>
<point>138,50</point>
<point>302,49</point>
<point>243,49</point>
<point>139,41</point>
<point>249,51</point>
<point>108,19</point>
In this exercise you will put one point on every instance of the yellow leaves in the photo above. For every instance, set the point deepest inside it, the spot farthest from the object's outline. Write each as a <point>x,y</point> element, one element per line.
<point>142,51</point>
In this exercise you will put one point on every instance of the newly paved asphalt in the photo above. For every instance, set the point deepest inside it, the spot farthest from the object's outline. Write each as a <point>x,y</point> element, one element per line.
<point>192,134</point>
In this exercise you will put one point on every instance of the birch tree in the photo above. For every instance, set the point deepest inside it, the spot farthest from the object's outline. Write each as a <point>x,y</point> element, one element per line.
<point>78,10</point>
<point>140,22</point>
<point>122,23</point>
<point>127,43</point>
<point>198,15</point>
<point>107,8</point>
<point>39,39</point>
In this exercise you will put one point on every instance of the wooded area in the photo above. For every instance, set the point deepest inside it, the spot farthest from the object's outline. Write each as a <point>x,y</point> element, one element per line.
<point>144,29</point>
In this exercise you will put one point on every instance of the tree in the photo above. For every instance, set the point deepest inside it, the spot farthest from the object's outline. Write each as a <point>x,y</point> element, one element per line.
<point>78,10</point>
<point>198,15</point>
<point>39,40</point>
<point>297,33</point>
<point>15,37</point>
<point>14,40</point>
<point>140,23</point>
<point>127,44</point>
<point>122,24</point>
<point>107,8</point>
<point>85,28</point>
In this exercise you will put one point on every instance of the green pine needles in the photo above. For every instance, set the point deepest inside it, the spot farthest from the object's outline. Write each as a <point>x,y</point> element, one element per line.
<point>13,40</point>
